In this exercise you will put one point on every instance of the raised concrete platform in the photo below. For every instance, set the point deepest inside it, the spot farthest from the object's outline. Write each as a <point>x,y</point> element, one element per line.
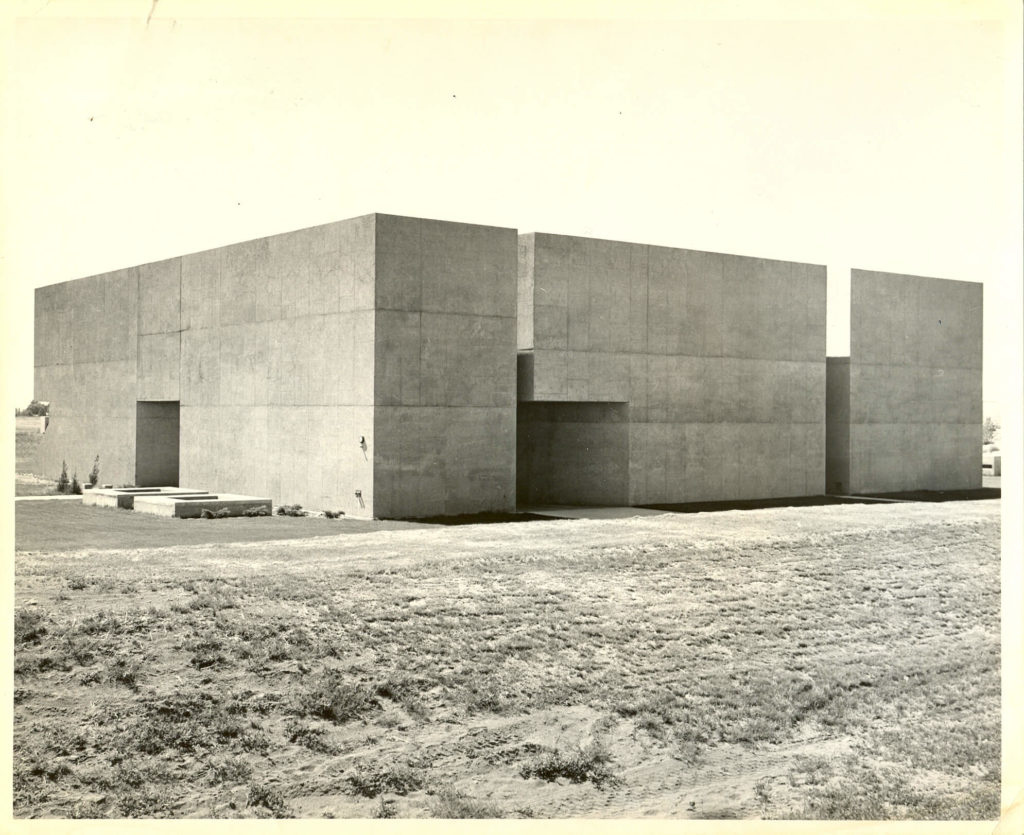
<point>124,497</point>
<point>192,507</point>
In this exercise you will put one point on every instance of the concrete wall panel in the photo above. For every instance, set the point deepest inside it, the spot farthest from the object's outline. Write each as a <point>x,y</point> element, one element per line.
<point>160,297</point>
<point>914,383</point>
<point>720,357</point>
<point>158,366</point>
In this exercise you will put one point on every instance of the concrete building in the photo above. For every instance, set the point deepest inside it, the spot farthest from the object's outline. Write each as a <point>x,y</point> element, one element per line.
<point>904,409</point>
<point>370,366</point>
<point>366,366</point>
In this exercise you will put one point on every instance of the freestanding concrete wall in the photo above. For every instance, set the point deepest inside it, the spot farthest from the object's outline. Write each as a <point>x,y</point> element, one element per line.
<point>718,359</point>
<point>914,383</point>
<point>445,374</point>
<point>307,366</point>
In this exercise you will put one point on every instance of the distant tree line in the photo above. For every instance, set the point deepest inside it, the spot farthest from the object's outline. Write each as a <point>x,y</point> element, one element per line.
<point>33,409</point>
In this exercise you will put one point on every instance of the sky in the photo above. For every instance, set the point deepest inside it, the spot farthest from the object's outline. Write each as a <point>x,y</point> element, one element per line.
<point>866,137</point>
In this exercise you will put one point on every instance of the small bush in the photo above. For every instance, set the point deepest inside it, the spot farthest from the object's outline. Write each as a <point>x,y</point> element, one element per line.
<point>62,483</point>
<point>76,488</point>
<point>256,510</point>
<point>290,510</point>
<point>28,626</point>
<point>334,514</point>
<point>584,765</point>
<point>268,802</point>
<point>94,474</point>
<point>124,670</point>
<point>332,698</point>
<point>386,809</point>
<point>223,513</point>
<point>230,770</point>
<point>452,805</point>
<point>309,737</point>
<point>397,779</point>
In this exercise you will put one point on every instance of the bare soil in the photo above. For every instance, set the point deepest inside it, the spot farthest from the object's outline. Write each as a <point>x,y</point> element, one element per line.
<point>817,662</point>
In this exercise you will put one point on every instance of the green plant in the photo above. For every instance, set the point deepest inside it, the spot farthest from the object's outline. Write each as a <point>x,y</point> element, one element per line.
<point>94,474</point>
<point>76,488</point>
<point>62,483</point>
<point>290,510</point>
<point>763,794</point>
<point>386,809</point>
<point>330,697</point>
<point>397,779</point>
<point>590,764</point>
<point>28,626</point>
<point>124,670</point>
<point>309,737</point>
<point>334,514</point>
<point>453,805</point>
<point>229,770</point>
<point>256,510</point>
<point>268,802</point>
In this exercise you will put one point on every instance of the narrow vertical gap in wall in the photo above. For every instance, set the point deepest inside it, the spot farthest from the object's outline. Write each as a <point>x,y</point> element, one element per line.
<point>837,312</point>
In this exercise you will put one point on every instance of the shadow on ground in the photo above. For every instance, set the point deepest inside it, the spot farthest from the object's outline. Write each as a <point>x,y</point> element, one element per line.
<point>814,501</point>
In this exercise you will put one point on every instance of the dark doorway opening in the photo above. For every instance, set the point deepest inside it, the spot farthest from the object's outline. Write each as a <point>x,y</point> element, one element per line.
<point>157,438</point>
<point>572,454</point>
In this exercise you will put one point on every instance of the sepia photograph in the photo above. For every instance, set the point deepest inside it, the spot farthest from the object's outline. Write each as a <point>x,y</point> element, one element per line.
<point>513,411</point>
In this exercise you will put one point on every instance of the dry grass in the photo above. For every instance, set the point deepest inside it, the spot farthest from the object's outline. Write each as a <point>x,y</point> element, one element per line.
<point>808,662</point>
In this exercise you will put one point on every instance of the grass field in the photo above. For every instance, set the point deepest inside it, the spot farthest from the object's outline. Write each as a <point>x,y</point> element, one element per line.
<point>829,662</point>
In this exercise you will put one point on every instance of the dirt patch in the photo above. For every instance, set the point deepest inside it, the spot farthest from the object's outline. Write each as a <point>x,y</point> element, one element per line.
<point>813,662</point>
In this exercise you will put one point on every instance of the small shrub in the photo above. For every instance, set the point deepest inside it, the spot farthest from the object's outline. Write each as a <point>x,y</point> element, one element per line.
<point>76,488</point>
<point>397,779</point>
<point>309,737</point>
<point>290,510</point>
<point>124,670</point>
<point>62,483</point>
<point>256,510</point>
<point>28,626</point>
<point>452,805</point>
<point>268,802</point>
<point>207,651</point>
<point>386,809</point>
<point>584,765</point>
<point>334,514</point>
<point>331,698</point>
<point>94,474</point>
<point>230,770</point>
